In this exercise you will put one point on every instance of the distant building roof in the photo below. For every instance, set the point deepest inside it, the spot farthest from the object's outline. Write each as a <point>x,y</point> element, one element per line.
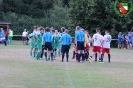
<point>2,22</point>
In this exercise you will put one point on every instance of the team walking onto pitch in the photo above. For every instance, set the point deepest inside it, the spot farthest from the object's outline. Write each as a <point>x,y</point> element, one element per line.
<point>48,43</point>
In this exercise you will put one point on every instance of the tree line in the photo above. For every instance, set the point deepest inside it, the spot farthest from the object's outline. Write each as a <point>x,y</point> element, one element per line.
<point>89,14</point>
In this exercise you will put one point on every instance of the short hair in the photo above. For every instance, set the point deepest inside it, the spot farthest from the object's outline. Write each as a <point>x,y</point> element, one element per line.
<point>63,29</point>
<point>66,31</point>
<point>47,29</point>
<point>77,27</point>
<point>97,30</point>
<point>41,28</point>
<point>107,31</point>
<point>53,30</point>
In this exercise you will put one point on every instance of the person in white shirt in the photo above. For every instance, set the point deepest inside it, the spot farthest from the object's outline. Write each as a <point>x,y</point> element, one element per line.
<point>96,39</point>
<point>106,45</point>
<point>24,34</point>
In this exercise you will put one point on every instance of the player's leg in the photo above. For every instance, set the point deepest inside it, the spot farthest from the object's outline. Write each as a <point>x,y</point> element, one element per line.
<point>39,51</point>
<point>79,51</point>
<point>45,50</point>
<point>94,52</point>
<point>82,51</point>
<point>42,51</point>
<point>67,52</point>
<point>50,49</point>
<point>11,40</point>
<point>8,40</point>
<point>31,51</point>
<point>102,54</point>
<point>4,40</point>
<point>73,55</point>
<point>96,57</point>
<point>55,53</point>
<point>109,56</point>
<point>59,49</point>
<point>63,50</point>
<point>85,54</point>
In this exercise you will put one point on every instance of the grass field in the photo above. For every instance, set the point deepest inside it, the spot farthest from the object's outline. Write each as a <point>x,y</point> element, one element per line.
<point>19,70</point>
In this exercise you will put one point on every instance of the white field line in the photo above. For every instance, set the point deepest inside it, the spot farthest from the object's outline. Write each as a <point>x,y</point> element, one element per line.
<point>69,77</point>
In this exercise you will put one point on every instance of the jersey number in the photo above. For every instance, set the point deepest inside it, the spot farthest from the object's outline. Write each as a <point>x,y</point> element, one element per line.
<point>108,39</point>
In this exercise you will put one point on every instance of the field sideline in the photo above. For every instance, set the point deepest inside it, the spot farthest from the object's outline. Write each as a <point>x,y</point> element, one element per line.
<point>19,70</point>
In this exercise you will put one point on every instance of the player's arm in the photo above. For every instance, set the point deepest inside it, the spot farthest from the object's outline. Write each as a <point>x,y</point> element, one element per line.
<point>76,36</point>
<point>92,40</point>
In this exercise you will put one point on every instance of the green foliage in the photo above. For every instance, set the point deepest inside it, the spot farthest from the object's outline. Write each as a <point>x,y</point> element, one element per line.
<point>91,14</point>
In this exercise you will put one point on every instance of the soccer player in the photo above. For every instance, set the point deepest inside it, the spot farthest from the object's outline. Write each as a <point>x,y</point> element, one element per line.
<point>35,40</point>
<point>59,44</point>
<point>66,41</point>
<point>130,40</point>
<point>87,45</point>
<point>56,43</point>
<point>79,38</point>
<point>48,43</point>
<point>75,49</point>
<point>106,45</point>
<point>97,39</point>
<point>42,33</point>
<point>39,42</point>
<point>62,30</point>
<point>119,40</point>
<point>2,36</point>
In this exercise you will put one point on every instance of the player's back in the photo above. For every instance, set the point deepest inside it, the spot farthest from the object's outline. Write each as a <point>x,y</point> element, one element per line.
<point>97,38</point>
<point>107,41</point>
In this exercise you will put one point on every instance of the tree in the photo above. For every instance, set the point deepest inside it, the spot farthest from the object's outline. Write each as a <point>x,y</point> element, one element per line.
<point>91,14</point>
<point>1,11</point>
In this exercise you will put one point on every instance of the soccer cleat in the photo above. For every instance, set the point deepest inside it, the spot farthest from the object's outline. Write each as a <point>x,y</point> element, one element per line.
<point>89,59</point>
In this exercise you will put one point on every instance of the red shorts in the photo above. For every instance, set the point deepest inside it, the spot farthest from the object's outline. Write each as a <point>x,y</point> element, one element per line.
<point>96,49</point>
<point>107,50</point>
<point>87,47</point>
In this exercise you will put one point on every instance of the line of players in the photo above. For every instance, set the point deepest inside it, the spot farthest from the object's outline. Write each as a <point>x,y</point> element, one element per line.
<point>81,47</point>
<point>101,44</point>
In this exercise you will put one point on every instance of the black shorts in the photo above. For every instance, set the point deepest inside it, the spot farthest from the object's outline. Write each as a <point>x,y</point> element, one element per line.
<point>80,45</point>
<point>48,45</point>
<point>65,48</point>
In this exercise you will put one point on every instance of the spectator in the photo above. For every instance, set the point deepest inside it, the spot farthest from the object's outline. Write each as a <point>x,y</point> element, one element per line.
<point>7,32</point>
<point>10,35</point>
<point>122,40</point>
<point>24,34</point>
<point>119,40</point>
<point>27,39</point>
<point>2,36</point>
<point>130,40</point>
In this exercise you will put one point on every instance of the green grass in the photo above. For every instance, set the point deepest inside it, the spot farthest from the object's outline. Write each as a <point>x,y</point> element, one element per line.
<point>18,70</point>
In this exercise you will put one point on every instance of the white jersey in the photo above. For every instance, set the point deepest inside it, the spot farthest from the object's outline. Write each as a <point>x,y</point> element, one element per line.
<point>107,41</point>
<point>24,34</point>
<point>97,39</point>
